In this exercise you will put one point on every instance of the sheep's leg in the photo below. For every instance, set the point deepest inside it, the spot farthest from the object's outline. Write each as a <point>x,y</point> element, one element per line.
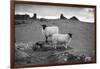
<point>55,46</point>
<point>54,43</point>
<point>46,39</point>
<point>68,43</point>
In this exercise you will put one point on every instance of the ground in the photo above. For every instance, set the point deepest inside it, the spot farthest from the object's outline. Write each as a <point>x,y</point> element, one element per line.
<point>30,32</point>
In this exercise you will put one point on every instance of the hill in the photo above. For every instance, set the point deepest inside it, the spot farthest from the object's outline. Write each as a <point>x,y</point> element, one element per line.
<point>74,18</point>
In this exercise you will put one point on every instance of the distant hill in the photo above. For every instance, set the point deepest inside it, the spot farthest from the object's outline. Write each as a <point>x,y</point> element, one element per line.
<point>74,18</point>
<point>21,17</point>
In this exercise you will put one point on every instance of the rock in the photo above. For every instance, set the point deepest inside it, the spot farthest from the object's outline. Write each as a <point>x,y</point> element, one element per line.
<point>43,46</point>
<point>34,16</point>
<point>62,16</point>
<point>23,46</point>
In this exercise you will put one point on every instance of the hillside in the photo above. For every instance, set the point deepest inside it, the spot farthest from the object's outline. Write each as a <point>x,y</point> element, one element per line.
<point>82,33</point>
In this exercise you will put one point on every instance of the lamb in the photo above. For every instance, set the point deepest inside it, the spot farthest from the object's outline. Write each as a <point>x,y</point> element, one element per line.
<point>62,38</point>
<point>48,31</point>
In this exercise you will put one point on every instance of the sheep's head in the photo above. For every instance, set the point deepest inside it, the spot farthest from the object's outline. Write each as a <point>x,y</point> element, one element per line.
<point>44,26</point>
<point>70,34</point>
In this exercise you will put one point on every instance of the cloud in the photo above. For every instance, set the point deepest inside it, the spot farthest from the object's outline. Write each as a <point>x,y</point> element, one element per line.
<point>83,14</point>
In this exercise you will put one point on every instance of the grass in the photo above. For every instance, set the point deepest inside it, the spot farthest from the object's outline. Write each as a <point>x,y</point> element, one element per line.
<point>30,33</point>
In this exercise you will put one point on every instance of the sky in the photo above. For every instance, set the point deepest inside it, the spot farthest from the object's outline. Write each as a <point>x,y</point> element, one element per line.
<point>53,12</point>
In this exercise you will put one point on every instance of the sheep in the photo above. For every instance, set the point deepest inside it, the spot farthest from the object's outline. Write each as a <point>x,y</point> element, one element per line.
<point>48,31</point>
<point>62,38</point>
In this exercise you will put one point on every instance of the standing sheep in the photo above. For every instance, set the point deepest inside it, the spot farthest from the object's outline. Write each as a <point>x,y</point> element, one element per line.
<point>62,38</point>
<point>48,31</point>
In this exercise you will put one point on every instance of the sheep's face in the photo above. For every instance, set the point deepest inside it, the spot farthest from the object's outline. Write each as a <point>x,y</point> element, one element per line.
<point>70,34</point>
<point>44,26</point>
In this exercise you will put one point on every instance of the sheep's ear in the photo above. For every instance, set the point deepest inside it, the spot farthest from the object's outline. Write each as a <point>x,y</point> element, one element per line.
<point>42,25</point>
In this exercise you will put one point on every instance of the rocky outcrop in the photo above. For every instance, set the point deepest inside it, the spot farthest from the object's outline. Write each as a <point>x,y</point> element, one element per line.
<point>34,16</point>
<point>74,18</point>
<point>62,16</point>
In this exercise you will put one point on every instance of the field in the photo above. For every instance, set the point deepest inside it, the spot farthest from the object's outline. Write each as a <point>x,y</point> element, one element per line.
<point>29,32</point>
